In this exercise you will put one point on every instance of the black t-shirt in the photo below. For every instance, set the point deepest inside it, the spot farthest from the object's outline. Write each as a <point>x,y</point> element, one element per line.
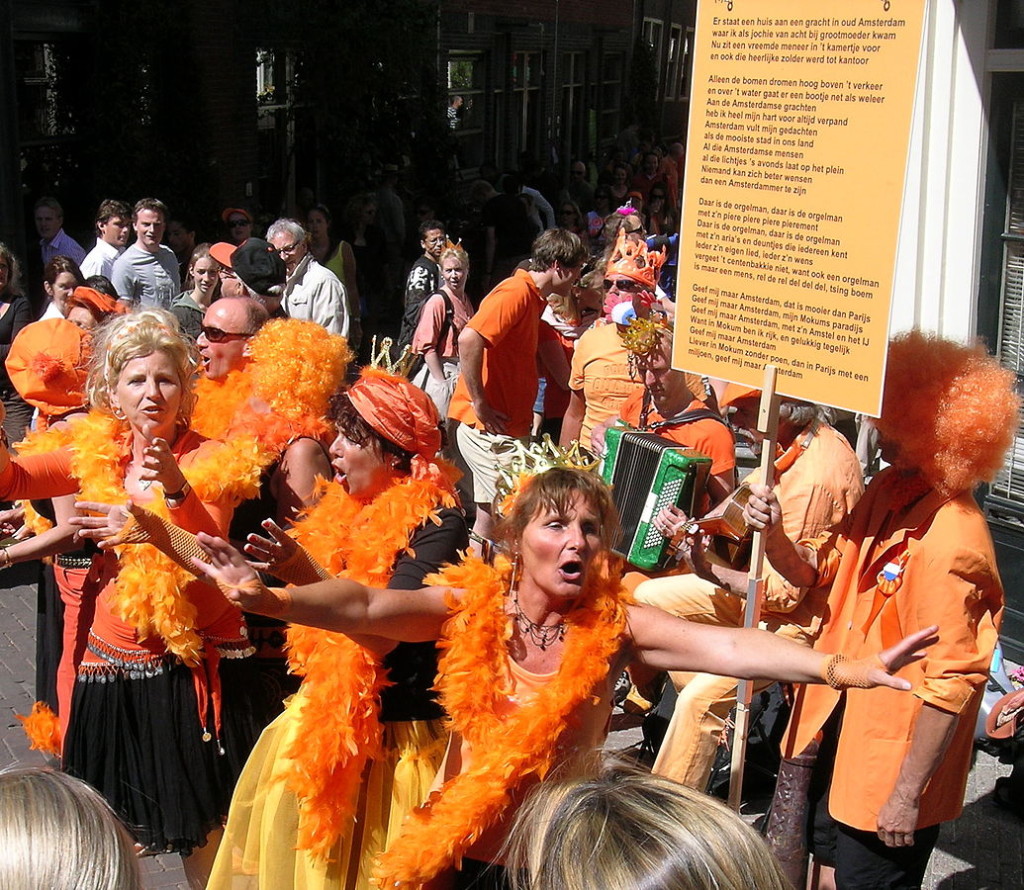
<point>412,667</point>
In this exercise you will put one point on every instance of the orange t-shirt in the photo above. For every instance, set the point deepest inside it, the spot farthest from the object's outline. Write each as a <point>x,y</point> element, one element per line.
<point>600,372</point>
<point>709,437</point>
<point>508,319</point>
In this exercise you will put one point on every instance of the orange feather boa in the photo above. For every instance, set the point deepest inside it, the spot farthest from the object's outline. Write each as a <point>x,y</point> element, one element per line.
<point>42,728</point>
<point>474,681</point>
<point>283,391</point>
<point>340,697</point>
<point>149,590</point>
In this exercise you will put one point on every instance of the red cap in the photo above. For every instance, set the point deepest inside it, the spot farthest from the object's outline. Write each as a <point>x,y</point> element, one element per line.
<point>221,252</point>
<point>225,214</point>
<point>734,392</point>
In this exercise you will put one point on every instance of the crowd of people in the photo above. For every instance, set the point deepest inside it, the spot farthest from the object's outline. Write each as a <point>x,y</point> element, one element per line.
<point>195,424</point>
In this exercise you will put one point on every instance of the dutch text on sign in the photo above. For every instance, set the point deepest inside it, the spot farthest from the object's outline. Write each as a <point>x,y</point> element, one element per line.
<point>796,159</point>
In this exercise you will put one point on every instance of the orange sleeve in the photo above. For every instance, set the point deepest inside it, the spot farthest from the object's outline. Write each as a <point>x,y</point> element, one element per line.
<point>630,410</point>
<point>713,439</point>
<point>193,514</point>
<point>499,312</point>
<point>38,476</point>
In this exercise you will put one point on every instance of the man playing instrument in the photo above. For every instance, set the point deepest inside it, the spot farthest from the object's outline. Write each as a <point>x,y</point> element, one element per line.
<point>818,480</point>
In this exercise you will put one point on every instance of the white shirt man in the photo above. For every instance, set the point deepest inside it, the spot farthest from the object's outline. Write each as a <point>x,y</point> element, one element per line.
<point>112,227</point>
<point>146,273</point>
<point>312,292</point>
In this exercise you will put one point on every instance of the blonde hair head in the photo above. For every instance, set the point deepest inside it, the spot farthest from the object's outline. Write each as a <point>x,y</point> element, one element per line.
<point>57,832</point>
<point>136,335</point>
<point>624,829</point>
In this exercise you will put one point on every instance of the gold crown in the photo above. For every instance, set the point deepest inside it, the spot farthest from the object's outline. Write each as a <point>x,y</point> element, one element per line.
<point>381,358</point>
<point>632,259</point>
<point>643,335</point>
<point>518,463</point>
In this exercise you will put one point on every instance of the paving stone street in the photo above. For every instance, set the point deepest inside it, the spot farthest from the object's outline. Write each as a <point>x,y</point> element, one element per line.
<point>984,850</point>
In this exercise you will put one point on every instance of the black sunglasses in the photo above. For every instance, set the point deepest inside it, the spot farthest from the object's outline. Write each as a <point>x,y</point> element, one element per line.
<point>235,223</point>
<point>216,335</point>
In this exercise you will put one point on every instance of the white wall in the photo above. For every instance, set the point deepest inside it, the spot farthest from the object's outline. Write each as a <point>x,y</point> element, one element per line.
<point>936,279</point>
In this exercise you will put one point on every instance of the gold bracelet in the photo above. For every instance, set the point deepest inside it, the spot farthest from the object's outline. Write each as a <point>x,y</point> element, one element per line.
<point>5,558</point>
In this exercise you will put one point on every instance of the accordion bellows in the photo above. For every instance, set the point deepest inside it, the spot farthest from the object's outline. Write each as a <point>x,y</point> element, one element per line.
<point>648,472</point>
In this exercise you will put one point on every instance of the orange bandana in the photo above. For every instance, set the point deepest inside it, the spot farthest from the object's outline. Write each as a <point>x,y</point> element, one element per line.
<point>398,411</point>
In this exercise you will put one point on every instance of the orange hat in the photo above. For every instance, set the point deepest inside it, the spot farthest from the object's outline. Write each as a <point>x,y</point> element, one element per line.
<point>48,365</point>
<point>735,391</point>
<point>97,303</point>
<point>1006,716</point>
<point>221,252</point>
<point>631,259</point>
<point>225,214</point>
<point>398,411</point>
<point>403,414</point>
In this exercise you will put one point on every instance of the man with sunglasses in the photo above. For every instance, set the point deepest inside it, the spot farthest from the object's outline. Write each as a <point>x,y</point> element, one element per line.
<point>601,378</point>
<point>289,484</point>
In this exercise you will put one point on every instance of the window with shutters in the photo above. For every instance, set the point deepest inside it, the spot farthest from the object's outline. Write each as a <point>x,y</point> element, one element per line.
<point>1010,481</point>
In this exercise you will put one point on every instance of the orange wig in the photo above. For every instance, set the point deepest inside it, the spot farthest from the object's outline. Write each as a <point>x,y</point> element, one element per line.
<point>950,408</point>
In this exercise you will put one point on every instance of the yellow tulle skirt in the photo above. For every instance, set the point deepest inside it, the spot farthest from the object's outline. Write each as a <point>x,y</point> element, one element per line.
<point>258,847</point>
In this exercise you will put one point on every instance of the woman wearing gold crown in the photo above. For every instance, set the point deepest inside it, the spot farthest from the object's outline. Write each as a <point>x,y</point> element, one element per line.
<point>356,749</point>
<point>532,647</point>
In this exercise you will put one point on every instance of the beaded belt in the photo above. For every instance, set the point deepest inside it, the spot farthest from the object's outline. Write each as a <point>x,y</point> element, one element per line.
<point>73,562</point>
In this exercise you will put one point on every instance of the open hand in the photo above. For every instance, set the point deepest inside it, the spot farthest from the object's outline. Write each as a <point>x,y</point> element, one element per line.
<point>908,650</point>
<point>104,528</point>
<point>271,551</point>
<point>227,568</point>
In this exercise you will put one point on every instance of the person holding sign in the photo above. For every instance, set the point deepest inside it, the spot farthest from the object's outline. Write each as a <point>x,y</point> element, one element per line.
<point>819,481</point>
<point>918,552</point>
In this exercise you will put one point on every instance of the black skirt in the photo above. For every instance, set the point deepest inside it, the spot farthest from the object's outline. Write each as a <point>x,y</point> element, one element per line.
<point>141,744</point>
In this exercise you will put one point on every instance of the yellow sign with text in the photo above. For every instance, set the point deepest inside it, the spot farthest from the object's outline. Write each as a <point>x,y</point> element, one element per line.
<point>796,159</point>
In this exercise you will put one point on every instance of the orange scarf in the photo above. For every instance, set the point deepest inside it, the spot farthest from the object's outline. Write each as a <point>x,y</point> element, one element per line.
<point>340,728</point>
<point>474,679</point>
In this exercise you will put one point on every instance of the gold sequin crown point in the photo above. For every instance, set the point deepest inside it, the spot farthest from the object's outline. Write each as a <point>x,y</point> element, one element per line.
<point>381,357</point>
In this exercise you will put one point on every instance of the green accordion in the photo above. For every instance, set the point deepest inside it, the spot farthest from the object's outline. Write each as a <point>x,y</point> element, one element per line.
<point>646,473</point>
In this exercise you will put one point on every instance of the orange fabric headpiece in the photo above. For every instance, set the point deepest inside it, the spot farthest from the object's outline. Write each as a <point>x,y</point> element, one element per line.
<point>631,259</point>
<point>48,365</point>
<point>735,392</point>
<point>405,415</point>
<point>97,303</point>
<point>397,410</point>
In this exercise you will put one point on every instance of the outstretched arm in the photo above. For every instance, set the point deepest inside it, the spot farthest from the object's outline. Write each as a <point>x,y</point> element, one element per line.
<point>669,643</point>
<point>339,605</point>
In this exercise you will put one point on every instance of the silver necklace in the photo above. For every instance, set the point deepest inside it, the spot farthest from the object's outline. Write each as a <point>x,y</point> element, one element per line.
<point>542,635</point>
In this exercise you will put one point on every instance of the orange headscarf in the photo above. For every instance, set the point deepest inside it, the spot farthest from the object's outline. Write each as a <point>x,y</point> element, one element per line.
<point>99,304</point>
<point>403,414</point>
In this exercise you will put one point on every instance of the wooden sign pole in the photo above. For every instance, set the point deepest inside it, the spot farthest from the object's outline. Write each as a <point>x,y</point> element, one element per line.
<point>768,425</point>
